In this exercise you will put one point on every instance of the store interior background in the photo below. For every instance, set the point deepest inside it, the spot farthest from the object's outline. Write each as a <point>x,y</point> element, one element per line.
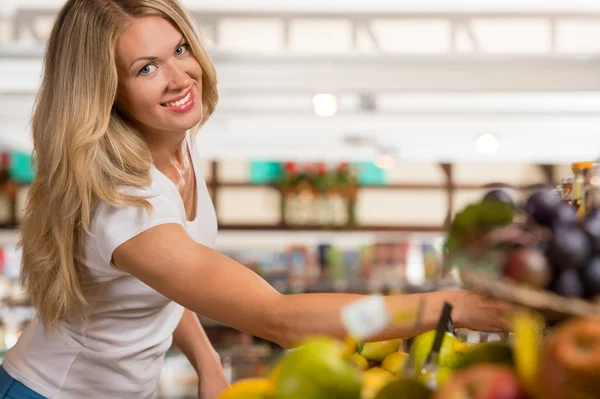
<point>432,102</point>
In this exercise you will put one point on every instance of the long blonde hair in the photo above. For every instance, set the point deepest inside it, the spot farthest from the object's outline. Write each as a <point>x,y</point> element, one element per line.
<point>83,149</point>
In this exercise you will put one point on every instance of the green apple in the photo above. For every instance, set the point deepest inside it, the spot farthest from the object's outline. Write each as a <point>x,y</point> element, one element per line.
<point>317,369</point>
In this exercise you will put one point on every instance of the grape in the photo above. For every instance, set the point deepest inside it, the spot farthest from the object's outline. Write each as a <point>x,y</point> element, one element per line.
<point>590,276</point>
<point>528,266</point>
<point>591,226</point>
<point>541,245</point>
<point>500,196</point>
<point>569,248</point>
<point>568,284</point>
<point>542,206</point>
<point>565,215</point>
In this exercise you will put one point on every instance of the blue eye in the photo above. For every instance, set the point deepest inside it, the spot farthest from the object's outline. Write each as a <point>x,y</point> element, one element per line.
<point>147,69</point>
<point>182,49</point>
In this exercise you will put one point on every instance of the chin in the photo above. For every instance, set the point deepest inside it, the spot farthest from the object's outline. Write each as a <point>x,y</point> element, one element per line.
<point>184,122</point>
<point>192,123</point>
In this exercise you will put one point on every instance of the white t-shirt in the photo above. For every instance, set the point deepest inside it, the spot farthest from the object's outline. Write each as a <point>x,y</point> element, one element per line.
<point>119,352</point>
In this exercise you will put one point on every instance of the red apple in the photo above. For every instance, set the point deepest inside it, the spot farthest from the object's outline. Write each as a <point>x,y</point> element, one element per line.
<point>483,381</point>
<point>527,266</point>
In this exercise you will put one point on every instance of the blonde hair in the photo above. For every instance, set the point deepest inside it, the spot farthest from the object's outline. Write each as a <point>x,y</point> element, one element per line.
<point>84,150</point>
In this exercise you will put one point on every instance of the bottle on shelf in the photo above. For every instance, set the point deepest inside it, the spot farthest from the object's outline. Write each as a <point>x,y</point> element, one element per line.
<point>582,173</point>
<point>305,197</point>
<point>591,191</point>
<point>323,214</point>
<point>566,190</point>
<point>340,200</point>
<point>289,200</point>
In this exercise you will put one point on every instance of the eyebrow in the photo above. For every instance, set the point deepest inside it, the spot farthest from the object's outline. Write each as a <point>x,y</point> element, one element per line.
<point>154,58</point>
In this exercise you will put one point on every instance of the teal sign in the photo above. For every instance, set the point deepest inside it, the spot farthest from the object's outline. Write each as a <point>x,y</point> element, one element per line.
<point>265,172</point>
<point>369,174</point>
<point>20,167</point>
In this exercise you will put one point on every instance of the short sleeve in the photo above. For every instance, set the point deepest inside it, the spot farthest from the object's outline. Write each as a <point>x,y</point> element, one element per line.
<point>113,226</point>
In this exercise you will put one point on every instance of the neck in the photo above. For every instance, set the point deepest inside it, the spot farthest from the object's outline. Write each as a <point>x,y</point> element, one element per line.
<point>167,150</point>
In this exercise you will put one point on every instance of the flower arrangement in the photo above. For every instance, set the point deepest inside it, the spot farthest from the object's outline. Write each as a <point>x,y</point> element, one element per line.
<point>318,194</point>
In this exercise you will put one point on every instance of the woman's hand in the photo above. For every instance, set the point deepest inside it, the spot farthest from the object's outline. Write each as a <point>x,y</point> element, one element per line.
<point>480,313</point>
<point>212,383</point>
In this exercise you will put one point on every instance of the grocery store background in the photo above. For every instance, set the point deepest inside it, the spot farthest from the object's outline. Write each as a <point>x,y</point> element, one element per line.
<point>429,101</point>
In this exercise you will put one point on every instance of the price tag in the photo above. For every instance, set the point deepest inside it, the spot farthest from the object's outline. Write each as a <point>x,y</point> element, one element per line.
<point>366,317</point>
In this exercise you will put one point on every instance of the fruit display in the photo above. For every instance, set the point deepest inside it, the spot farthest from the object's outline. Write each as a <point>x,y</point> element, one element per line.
<point>537,362</point>
<point>542,254</point>
<point>323,367</point>
<point>562,363</point>
<point>544,245</point>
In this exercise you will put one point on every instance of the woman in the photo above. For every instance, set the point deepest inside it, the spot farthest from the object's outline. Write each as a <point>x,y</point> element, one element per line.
<point>119,226</point>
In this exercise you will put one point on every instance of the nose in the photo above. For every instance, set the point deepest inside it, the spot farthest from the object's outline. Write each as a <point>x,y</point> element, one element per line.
<point>178,78</point>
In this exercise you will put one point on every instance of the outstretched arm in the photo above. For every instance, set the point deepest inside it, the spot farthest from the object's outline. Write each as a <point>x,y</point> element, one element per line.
<point>211,284</point>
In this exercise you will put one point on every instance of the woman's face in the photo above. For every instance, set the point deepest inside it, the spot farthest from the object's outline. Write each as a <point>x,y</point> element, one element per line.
<point>160,81</point>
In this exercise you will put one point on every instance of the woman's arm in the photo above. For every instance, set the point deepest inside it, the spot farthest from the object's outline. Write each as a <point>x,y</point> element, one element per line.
<point>211,284</point>
<point>190,338</point>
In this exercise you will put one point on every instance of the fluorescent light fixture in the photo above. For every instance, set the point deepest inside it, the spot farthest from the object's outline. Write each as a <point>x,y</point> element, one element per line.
<point>384,161</point>
<point>487,143</point>
<point>385,158</point>
<point>325,104</point>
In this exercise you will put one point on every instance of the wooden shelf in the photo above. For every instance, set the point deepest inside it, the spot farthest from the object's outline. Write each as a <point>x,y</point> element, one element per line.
<point>407,186</point>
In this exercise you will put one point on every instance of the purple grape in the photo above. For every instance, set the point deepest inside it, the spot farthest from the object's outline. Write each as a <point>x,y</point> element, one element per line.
<point>569,248</point>
<point>542,206</point>
<point>568,284</point>
<point>591,226</point>
<point>590,276</point>
<point>500,196</point>
<point>565,215</point>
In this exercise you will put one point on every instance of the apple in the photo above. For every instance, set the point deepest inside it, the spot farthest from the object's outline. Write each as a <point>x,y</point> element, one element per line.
<point>570,360</point>
<point>483,381</point>
<point>528,266</point>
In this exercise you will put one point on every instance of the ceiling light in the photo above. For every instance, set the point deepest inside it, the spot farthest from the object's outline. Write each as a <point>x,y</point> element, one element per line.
<point>385,159</point>
<point>384,162</point>
<point>325,104</point>
<point>487,143</point>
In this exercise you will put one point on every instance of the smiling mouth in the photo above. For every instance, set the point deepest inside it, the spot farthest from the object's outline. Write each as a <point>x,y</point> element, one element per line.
<point>179,103</point>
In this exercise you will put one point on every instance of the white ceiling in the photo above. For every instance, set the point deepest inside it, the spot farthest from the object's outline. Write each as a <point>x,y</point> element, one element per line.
<point>362,6</point>
<point>433,84</point>
<point>400,5</point>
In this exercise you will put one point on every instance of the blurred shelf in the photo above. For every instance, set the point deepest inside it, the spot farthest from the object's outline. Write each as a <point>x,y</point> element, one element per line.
<point>318,228</point>
<point>391,186</point>
<point>9,236</point>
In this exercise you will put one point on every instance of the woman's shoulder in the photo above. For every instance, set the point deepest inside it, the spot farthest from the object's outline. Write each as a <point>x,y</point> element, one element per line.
<point>161,194</point>
<point>160,185</point>
<point>112,225</point>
